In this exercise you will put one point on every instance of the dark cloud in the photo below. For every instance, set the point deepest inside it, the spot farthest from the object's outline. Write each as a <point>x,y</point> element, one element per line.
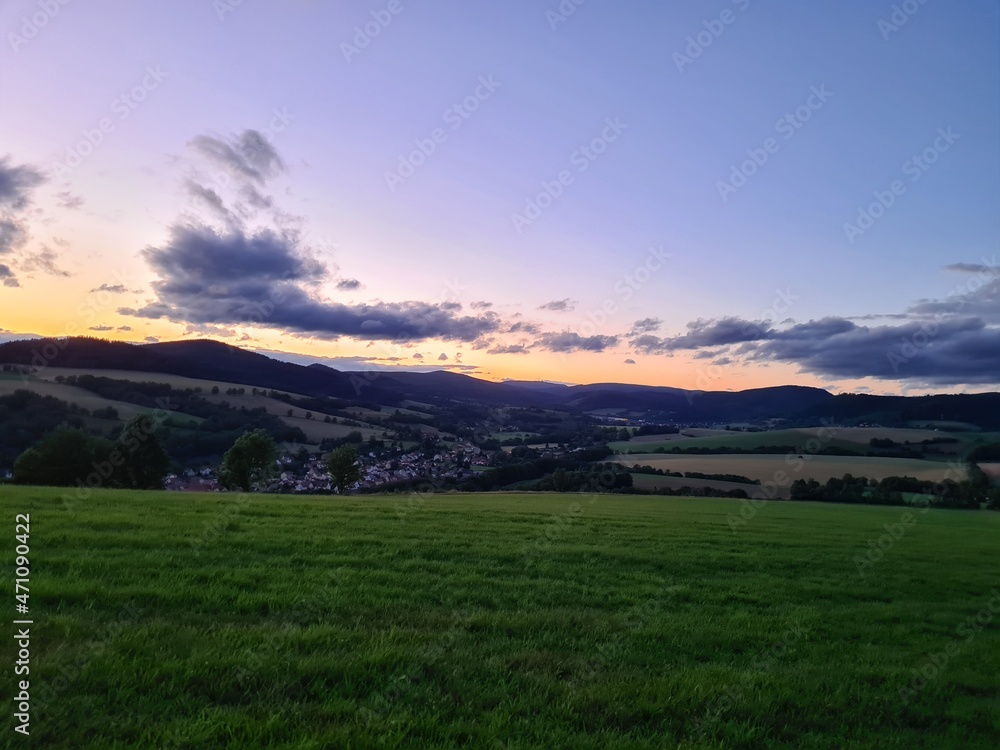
<point>249,157</point>
<point>208,276</point>
<point>124,328</point>
<point>568,341</point>
<point>100,328</point>
<point>348,285</point>
<point>418,355</point>
<point>646,325</point>
<point>559,305</point>
<point>481,305</point>
<point>443,358</point>
<point>152,340</point>
<point>630,361</point>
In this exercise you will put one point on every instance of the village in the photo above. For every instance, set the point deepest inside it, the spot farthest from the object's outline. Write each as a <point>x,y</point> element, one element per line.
<point>308,475</point>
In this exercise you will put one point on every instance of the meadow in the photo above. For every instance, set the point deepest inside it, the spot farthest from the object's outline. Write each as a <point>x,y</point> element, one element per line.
<point>507,620</point>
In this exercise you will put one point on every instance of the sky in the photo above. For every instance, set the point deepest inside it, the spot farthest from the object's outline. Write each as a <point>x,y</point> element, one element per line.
<point>709,195</point>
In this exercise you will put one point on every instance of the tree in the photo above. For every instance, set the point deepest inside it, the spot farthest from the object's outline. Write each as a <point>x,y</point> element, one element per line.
<point>64,457</point>
<point>145,461</point>
<point>343,466</point>
<point>250,460</point>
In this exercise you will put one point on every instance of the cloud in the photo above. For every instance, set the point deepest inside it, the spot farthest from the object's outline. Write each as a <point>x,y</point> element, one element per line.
<point>211,199</point>
<point>559,305</point>
<point>510,349</point>
<point>249,157</point>
<point>630,361</point>
<point>703,333</point>
<point>110,288</point>
<point>443,358</point>
<point>17,184</point>
<point>569,341</point>
<point>69,200</point>
<point>481,305</point>
<point>9,279</point>
<point>646,325</point>
<point>44,261</point>
<point>124,328</point>
<point>523,326</point>
<point>209,276</point>
<point>100,328</point>
<point>418,355</point>
<point>952,341</point>
<point>989,267</point>
<point>152,340</point>
<point>235,274</point>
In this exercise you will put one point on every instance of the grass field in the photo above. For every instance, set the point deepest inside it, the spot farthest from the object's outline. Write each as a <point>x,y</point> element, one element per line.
<point>514,621</point>
<point>765,466</point>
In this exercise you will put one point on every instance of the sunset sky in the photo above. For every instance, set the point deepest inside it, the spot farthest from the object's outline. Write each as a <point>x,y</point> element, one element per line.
<point>710,195</point>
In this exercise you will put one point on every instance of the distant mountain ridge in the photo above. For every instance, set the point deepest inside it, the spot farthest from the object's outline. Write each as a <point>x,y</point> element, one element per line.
<point>213,360</point>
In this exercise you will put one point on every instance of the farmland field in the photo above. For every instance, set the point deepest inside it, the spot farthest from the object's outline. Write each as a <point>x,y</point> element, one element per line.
<point>849,438</point>
<point>821,468</point>
<point>652,482</point>
<point>520,621</point>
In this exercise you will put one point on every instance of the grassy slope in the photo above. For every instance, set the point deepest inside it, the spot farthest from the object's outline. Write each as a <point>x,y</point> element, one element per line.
<point>641,623</point>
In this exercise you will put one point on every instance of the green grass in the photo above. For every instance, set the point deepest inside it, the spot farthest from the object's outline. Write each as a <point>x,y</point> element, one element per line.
<point>500,621</point>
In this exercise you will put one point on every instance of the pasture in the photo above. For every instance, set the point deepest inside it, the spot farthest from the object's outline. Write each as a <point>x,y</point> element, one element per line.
<point>518,621</point>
